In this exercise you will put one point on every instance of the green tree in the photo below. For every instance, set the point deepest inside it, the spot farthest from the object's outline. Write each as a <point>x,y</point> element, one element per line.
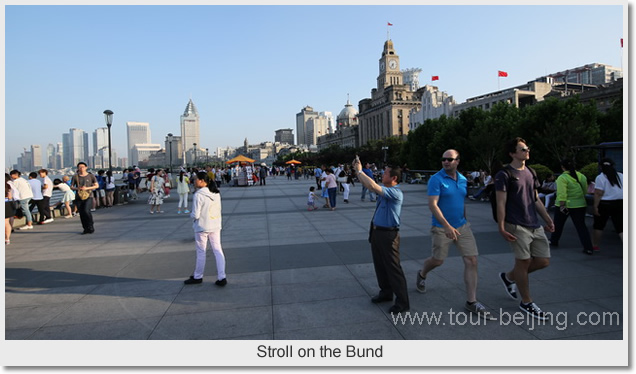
<point>553,127</point>
<point>489,135</point>
<point>611,123</point>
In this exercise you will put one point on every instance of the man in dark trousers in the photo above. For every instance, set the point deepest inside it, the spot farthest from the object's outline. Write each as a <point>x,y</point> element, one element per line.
<point>384,237</point>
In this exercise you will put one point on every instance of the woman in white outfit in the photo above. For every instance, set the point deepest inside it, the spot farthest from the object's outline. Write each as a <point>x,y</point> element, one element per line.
<point>206,212</point>
<point>183,188</point>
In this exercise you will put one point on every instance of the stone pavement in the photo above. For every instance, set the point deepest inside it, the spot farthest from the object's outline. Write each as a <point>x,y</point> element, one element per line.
<point>292,274</point>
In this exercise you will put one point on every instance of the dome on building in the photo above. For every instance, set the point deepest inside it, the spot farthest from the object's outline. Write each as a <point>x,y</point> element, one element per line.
<point>348,112</point>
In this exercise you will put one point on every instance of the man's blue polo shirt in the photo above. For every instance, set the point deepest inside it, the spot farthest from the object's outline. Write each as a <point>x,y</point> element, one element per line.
<point>451,197</point>
<point>389,207</point>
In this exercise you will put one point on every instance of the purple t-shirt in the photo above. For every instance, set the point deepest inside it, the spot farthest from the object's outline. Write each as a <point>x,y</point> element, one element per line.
<point>520,204</point>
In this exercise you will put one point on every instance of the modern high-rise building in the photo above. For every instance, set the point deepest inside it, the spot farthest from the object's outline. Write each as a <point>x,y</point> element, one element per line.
<point>100,147</point>
<point>36,160</point>
<point>50,156</point>
<point>284,136</point>
<point>138,133</point>
<point>142,152</point>
<point>301,125</point>
<point>174,151</point>
<point>78,146</point>
<point>66,151</point>
<point>190,127</point>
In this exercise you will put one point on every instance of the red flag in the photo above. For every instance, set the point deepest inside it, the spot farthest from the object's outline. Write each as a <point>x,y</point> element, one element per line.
<point>502,73</point>
<point>621,42</point>
<point>390,24</point>
<point>435,78</point>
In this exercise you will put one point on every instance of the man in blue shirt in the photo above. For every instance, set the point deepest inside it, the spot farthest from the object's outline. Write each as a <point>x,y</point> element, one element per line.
<point>367,171</point>
<point>384,237</point>
<point>318,175</point>
<point>447,190</point>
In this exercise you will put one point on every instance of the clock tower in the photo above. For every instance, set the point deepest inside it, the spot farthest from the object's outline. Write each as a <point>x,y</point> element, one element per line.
<point>390,74</point>
<point>386,113</point>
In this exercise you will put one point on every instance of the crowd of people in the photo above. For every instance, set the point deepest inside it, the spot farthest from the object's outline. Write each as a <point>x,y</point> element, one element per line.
<point>517,208</point>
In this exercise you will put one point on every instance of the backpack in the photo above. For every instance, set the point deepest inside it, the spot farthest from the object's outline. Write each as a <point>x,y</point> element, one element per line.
<point>492,195</point>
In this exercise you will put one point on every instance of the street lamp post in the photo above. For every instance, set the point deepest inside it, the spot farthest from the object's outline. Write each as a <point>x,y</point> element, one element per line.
<point>207,156</point>
<point>170,137</point>
<point>108,114</point>
<point>195,154</point>
<point>385,149</point>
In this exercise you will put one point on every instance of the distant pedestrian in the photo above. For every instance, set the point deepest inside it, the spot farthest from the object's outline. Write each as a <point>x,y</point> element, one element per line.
<point>183,188</point>
<point>9,212</point>
<point>332,188</point>
<point>38,198</point>
<point>26,195</point>
<point>262,175</point>
<point>608,200</point>
<point>311,199</point>
<point>157,192</point>
<point>84,183</point>
<point>167,186</point>
<point>206,212</point>
<point>47,192</point>
<point>67,198</point>
<point>369,173</point>
<point>110,189</point>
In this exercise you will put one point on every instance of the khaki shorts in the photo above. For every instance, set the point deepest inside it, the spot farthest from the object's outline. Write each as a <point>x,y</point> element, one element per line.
<point>465,243</point>
<point>529,243</point>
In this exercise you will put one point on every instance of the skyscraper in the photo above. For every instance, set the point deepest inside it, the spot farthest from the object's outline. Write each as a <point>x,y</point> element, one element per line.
<point>36,154</point>
<point>100,147</point>
<point>67,160</point>
<point>138,133</point>
<point>50,156</point>
<point>78,146</point>
<point>302,136</point>
<point>190,127</point>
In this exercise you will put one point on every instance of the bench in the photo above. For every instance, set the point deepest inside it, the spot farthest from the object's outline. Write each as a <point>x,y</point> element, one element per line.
<point>56,198</point>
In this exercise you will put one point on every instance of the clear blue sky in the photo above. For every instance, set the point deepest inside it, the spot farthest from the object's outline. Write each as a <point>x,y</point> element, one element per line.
<point>249,69</point>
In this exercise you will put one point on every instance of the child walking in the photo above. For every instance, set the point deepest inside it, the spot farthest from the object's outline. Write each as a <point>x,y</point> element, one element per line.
<point>206,212</point>
<point>311,199</point>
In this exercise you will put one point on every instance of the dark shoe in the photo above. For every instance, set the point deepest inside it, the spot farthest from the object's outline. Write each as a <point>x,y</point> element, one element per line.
<point>553,243</point>
<point>191,280</point>
<point>380,299</point>
<point>398,309</point>
<point>588,251</point>
<point>221,282</point>
<point>511,287</point>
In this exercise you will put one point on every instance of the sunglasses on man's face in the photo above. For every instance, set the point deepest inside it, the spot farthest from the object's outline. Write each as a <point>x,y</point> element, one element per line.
<point>449,159</point>
<point>524,149</point>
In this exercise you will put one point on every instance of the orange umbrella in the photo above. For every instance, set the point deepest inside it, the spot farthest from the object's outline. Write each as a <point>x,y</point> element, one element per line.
<point>293,162</point>
<point>239,158</point>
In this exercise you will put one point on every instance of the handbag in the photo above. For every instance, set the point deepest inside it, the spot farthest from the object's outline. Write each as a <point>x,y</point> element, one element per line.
<point>83,194</point>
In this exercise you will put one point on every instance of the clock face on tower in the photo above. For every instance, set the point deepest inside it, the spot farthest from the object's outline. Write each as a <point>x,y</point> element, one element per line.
<point>393,64</point>
<point>382,66</point>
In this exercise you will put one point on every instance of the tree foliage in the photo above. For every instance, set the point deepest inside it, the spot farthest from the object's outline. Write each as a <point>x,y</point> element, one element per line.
<point>553,129</point>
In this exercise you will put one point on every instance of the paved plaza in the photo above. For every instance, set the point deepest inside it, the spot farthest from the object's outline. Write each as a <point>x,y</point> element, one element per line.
<point>292,274</point>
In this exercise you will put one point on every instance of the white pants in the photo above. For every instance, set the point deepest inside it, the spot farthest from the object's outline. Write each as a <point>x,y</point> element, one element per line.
<point>183,200</point>
<point>201,239</point>
<point>346,190</point>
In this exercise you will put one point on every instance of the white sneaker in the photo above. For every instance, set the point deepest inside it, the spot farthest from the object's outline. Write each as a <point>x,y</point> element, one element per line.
<point>26,228</point>
<point>48,220</point>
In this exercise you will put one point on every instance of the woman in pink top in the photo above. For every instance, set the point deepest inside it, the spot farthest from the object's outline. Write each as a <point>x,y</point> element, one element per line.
<point>332,187</point>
